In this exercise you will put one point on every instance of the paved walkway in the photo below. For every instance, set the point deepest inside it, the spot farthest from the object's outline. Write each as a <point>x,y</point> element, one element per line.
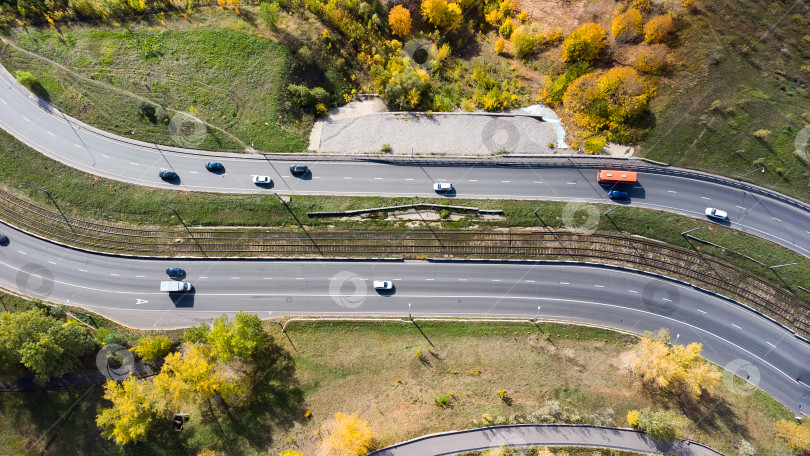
<point>523,435</point>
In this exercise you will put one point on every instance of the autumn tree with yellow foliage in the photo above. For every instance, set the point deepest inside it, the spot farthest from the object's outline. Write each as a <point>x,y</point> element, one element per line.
<point>652,59</point>
<point>659,29</point>
<point>608,102</point>
<point>795,435</point>
<point>136,407</point>
<point>627,26</point>
<point>399,19</point>
<point>584,43</point>
<point>442,15</point>
<point>347,435</point>
<point>675,369</point>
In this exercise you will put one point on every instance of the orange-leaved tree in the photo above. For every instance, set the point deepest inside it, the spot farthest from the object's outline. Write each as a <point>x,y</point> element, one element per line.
<point>584,43</point>
<point>399,19</point>
<point>347,435</point>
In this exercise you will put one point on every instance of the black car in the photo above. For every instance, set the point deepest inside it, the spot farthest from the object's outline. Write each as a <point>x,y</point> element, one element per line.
<point>214,166</point>
<point>299,170</point>
<point>167,175</point>
<point>175,272</point>
<point>3,239</point>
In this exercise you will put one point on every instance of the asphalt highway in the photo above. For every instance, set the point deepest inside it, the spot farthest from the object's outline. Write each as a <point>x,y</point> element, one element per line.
<point>126,290</point>
<point>45,129</point>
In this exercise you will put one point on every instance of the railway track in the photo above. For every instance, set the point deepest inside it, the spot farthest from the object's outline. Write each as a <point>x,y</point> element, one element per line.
<point>535,244</point>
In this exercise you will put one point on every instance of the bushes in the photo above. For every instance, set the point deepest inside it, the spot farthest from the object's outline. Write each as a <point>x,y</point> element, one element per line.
<point>795,435</point>
<point>595,144</point>
<point>553,94</point>
<point>302,97</point>
<point>584,43</point>
<point>442,15</point>
<point>500,45</point>
<point>652,60</point>
<point>609,102</point>
<point>507,28</point>
<point>659,29</point>
<point>150,349</point>
<point>525,43</point>
<point>627,26</point>
<point>269,14</point>
<point>660,424</point>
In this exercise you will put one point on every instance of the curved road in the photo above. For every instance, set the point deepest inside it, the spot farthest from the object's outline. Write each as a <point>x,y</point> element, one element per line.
<point>44,128</point>
<point>552,435</point>
<point>126,290</point>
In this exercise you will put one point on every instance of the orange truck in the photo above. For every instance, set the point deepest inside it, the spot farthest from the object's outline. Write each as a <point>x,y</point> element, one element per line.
<point>609,176</point>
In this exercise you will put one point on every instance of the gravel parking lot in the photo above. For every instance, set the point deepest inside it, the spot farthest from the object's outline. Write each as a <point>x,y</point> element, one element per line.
<point>438,133</point>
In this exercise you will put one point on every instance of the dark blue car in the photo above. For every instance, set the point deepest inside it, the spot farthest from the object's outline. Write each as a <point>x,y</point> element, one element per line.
<point>617,195</point>
<point>214,166</point>
<point>299,170</point>
<point>167,175</point>
<point>175,272</point>
<point>3,239</point>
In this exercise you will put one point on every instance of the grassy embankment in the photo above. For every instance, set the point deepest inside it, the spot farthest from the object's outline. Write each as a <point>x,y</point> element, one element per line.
<point>742,67</point>
<point>371,369</point>
<point>232,80</point>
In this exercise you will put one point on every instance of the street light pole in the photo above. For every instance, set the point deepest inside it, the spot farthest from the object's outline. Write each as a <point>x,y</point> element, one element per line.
<point>299,224</point>
<point>185,226</point>
<point>762,168</point>
<point>54,203</point>
<point>409,312</point>
<point>781,265</point>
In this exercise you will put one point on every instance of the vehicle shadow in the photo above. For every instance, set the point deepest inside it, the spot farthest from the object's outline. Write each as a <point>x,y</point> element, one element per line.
<point>447,194</point>
<point>387,293</point>
<point>183,299</point>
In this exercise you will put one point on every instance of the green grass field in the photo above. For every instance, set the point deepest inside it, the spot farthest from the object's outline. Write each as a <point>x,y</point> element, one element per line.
<point>371,369</point>
<point>232,80</point>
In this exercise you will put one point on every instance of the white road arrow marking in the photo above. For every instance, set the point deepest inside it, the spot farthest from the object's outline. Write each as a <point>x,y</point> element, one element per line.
<point>141,301</point>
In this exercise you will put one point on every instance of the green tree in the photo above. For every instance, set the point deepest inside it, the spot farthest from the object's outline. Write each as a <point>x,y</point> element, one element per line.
<point>239,338</point>
<point>197,334</point>
<point>152,348</point>
<point>269,14</point>
<point>136,407</point>
<point>42,344</point>
<point>584,43</point>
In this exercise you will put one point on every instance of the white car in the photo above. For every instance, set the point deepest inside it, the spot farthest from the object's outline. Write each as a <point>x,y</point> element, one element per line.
<point>383,285</point>
<point>442,187</point>
<point>262,180</point>
<point>715,213</point>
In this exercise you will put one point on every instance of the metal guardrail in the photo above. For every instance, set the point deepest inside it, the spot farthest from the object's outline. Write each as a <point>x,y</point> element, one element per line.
<point>404,207</point>
<point>535,245</point>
